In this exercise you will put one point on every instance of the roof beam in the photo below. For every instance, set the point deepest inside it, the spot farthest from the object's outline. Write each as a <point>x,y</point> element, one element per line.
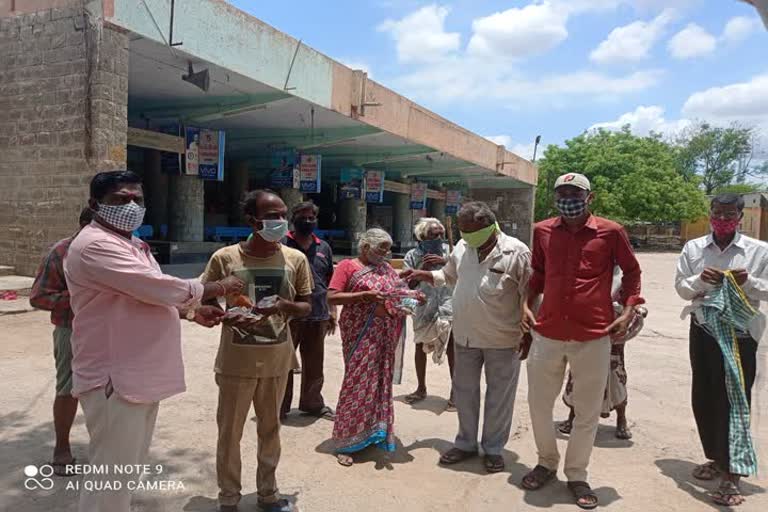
<point>209,110</point>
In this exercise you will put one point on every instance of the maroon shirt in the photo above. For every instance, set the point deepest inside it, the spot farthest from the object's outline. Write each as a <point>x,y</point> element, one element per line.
<point>50,289</point>
<point>574,271</point>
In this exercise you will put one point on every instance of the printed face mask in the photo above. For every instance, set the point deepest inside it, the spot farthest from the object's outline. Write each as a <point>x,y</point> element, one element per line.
<point>571,207</point>
<point>273,230</point>
<point>124,217</point>
<point>724,227</point>
<point>477,238</point>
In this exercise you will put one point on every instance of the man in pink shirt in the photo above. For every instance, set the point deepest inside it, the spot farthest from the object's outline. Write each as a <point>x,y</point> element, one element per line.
<point>126,340</point>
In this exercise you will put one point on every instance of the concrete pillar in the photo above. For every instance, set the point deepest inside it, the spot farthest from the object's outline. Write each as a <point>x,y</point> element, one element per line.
<point>238,186</point>
<point>186,209</point>
<point>437,209</point>
<point>353,215</point>
<point>291,197</point>
<point>156,190</point>
<point>402,218</point>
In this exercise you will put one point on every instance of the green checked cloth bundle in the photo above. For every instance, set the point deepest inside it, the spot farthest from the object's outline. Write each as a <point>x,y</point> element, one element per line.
<point>726,311</point>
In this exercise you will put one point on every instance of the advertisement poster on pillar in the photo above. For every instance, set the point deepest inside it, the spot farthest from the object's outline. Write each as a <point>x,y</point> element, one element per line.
<point>284,169</point>
<point>418,196</point>
<point>309,171</point>
<point>452,201</point>
<point>204,154</point>
<point>374,186</point>
<point>351,183</point>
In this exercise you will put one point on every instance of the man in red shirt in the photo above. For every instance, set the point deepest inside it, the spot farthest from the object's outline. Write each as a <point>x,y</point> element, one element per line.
<point>573,260</point>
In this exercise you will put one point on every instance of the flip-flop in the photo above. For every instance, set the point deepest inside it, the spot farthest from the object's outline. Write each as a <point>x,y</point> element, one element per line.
<point>706,471</point>
<point>344,460</point>
<point>324,412</point>
<point>416,396</point>
<point>494,463</point>
<point>455,455</point>
<point>581,490</point>
<point>65,469</point>
<point>565,427</point>
<point>725,493</point>
<point>623,432</point>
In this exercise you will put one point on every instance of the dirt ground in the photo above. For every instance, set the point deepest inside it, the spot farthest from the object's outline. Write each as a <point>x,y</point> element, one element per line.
<point>650,472</point>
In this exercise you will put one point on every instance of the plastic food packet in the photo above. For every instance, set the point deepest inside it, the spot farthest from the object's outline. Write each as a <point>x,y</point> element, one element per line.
<point>242,301</point>
<point>267,302</point>
<point>406,300</point>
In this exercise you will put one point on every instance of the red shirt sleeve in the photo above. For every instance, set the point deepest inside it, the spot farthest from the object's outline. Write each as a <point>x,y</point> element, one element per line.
<point>630,282</point>
<point>341,275</point>
<point>536,283</point>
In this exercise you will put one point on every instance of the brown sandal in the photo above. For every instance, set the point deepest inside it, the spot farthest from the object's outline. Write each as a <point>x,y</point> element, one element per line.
<point>728,494</point>
<point>706,471</point>
<point>537,478</point>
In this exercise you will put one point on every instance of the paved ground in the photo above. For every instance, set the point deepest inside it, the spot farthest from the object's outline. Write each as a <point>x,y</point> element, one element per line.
<point>652,472</point>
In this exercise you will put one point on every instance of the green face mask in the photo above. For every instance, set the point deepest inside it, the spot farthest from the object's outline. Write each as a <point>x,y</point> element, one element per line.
<point>477,238</point>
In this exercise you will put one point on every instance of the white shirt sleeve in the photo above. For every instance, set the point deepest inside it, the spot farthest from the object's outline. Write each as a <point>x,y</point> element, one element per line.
<point>687,283</point>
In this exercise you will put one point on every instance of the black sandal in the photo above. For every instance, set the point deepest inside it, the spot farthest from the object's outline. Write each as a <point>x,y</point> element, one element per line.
<point>537,478</point>
<point>65,469</point>
<point>455,455</point>
<point>582,490</point>
<point>494,463</point>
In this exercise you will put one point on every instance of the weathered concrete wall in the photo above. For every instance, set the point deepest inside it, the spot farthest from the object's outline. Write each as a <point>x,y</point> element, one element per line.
<point>63,99</point>
<point>513,209</point>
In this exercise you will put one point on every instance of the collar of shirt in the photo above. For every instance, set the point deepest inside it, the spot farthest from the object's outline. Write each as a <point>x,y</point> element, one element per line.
<point>291,235</point>
<point>738,241</point>
<point>138,242</point>
<point>591,223</point>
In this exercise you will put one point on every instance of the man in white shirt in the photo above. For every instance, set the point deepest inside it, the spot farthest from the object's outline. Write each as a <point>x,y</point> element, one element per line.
<point>489,271</point>
<point>699,271</point>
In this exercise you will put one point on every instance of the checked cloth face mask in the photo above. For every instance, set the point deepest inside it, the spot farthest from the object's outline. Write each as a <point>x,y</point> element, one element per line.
<point>125,217</point>
<point>571,207</point>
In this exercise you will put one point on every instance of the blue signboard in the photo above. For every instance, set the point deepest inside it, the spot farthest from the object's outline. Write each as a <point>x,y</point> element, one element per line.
<point>309,172</point>
<point>351,183</point>
<point>374,186</point>
<point>204,153</point>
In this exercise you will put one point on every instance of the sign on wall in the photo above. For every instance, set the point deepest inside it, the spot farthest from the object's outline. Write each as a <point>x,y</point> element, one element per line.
<point>374,186</point>
<point>452,201</point>
<point>309,170</point>
<point>418,196</point>
<point>204,153</point>
<point>351,183</point>
<point>285,173</point>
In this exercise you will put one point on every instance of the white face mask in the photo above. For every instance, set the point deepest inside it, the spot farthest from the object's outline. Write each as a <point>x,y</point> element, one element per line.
<point>273,230</point>
<point>125,217</point>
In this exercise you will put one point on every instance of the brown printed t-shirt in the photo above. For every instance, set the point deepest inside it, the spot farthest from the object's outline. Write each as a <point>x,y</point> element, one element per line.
<point>289,273</point>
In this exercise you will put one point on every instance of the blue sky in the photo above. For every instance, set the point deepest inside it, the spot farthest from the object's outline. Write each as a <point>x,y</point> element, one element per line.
<point>515,69</point>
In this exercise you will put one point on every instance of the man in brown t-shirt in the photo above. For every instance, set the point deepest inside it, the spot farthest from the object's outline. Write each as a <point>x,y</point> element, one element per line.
<point>254,359</point>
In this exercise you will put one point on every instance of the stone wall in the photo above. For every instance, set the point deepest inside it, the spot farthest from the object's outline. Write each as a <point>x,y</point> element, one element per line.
<point>63,117</point>
<point>513,208</point>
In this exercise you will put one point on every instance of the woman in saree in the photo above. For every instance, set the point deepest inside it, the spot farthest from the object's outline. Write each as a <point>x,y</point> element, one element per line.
<point>371,324</point>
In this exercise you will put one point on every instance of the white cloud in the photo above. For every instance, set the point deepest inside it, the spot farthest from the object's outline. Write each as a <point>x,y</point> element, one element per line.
<point>522,150</point>
<point>644,120</point>
<point>739,28</point>
<point>746,102</point>
<point>692,41</point>
<point>421,35</point>
<point>632,42</point>
<point>533,29</point>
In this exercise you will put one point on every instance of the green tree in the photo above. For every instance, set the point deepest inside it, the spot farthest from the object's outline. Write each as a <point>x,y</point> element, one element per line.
<point>635,179</point>
<point>719,156</point>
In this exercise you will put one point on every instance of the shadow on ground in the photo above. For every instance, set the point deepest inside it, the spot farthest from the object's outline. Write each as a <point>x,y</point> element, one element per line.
<point>381,459</point>
<point>248,502</point>
<point>680,471</point>
<point>24,443</point>
<point>434,404</point>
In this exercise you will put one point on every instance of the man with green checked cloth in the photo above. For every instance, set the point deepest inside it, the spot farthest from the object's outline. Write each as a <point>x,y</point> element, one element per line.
<point>725,275</point>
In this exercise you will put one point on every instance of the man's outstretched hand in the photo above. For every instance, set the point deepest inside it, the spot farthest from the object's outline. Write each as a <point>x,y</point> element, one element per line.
<point>208,316</point>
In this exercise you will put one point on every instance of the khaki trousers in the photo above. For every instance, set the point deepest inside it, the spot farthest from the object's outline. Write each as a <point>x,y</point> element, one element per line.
<point>236,394</point>
<point>121,433</point>
<point>589,362</point>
